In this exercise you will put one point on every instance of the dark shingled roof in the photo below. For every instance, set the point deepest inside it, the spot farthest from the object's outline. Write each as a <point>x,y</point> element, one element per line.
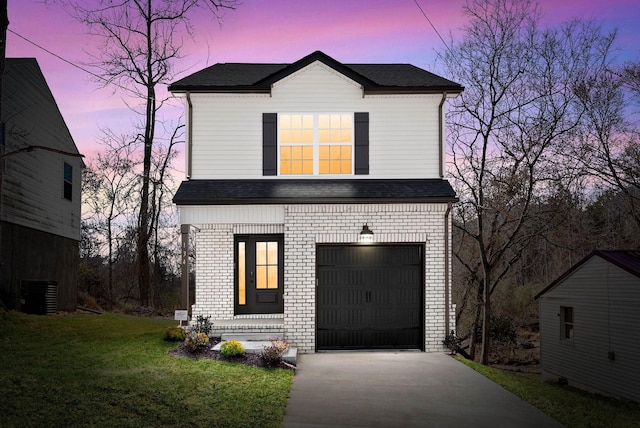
<point>628,260</point>
<point>306,191</point>
<point>374,78</point>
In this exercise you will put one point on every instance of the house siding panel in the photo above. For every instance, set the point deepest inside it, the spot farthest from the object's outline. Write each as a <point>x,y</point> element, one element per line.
<point>304,227</point>
<point>606,302</point>
<point>32,193</point>
<point>240,214</point>
<point>227,132</point>
<point>26,261</point>
<point>32,182</point>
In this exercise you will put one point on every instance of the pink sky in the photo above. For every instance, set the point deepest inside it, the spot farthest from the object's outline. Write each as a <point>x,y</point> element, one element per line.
<point>354,31</point>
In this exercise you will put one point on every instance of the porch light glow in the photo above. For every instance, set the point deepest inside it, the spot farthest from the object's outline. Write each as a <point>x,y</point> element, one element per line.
<point>366,235</point>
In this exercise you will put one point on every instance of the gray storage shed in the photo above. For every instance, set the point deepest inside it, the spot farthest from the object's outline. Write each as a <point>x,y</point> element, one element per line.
<point>589,325</point>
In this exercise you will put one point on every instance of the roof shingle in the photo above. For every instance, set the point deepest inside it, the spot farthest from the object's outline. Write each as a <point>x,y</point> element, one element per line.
<point>253,77</point>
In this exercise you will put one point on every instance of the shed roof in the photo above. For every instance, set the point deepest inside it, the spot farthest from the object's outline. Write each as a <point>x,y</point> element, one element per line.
<point>256,77</point>
<point>301,191</point>
<point>628,260</point>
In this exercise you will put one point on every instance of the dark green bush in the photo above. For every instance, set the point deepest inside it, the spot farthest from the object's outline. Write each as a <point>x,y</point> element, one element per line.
<point>502,330</point>
<point>174,334</point>
<point>203,325</point>
<point>232,348</point>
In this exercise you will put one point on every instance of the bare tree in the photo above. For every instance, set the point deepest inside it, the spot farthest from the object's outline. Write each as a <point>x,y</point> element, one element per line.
<point>141,40</point>
<point>109,183</point>
<point>508,128</point>
<point>610,136</point>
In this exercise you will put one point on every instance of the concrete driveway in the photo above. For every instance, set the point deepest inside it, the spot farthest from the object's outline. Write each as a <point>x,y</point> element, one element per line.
<point>401,389</point>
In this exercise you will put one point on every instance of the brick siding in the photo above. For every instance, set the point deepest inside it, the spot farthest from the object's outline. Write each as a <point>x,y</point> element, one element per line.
<point>308,225</point>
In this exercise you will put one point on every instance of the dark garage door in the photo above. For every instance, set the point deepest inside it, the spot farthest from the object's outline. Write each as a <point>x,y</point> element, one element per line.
<point>369,297</point>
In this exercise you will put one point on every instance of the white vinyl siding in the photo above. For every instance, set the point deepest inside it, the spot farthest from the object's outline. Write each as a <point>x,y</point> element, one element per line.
<point>606,315</point>
<point>227,129</point>
<point>238,214</point>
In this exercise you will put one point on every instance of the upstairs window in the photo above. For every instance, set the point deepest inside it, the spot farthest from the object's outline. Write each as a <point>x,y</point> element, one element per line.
<point>67,185</point>
<point>316,144</point>
<point>566,320</point>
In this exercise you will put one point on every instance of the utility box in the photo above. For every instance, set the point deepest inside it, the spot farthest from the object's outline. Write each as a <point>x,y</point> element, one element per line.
<point>39,297</point>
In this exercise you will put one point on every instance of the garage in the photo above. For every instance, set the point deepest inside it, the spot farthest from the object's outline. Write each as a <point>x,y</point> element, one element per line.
<point>370,297</point>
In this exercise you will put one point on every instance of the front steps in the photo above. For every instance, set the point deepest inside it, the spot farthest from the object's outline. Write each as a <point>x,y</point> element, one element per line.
<point>254,332</point>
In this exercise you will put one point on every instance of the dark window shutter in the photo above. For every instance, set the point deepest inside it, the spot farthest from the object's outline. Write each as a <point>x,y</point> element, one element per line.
<point>361,136</point>
<point>269,144</point>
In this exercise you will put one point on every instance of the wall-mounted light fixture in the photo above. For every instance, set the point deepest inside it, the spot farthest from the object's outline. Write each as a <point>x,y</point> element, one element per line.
<point>366,235</point>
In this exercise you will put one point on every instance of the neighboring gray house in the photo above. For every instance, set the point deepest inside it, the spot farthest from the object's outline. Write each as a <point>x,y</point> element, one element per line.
<point>590,324</point>
<point>290,167</point>
<point>40,190</point>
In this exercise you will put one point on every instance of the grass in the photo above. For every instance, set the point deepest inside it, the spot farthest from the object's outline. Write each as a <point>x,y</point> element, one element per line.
<point>570,406</point>
<point>114,370</point>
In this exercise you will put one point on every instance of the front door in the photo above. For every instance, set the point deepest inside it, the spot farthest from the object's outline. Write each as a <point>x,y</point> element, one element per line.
<point>259,274</point>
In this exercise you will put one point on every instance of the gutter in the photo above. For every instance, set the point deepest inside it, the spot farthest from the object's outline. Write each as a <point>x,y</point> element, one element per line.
<point>189,133</point>
<point>441,134</point>
<point>304,201</point>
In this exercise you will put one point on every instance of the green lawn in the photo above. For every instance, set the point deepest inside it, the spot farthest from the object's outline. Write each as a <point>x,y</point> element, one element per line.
<point>114,370</point>
<point>570,406</point>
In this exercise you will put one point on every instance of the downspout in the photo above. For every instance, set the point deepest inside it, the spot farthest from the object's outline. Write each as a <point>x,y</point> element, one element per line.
<point>447,287</point>
<point>189,133</point>
<point>441,134</point>
<point>447,261</point>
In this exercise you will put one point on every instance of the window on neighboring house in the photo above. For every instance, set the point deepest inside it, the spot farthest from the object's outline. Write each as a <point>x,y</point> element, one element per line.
<point>316,144</point>
<point>67,191</point>
<point>566,321</point>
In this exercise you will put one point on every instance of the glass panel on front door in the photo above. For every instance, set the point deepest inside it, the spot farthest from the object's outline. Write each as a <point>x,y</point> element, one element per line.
<point>259,274</point>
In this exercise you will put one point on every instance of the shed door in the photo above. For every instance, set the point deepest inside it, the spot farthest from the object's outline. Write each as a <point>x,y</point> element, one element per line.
<point>370,296</point>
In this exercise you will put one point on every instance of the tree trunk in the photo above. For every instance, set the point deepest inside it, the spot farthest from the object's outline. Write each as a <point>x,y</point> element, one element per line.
<point>144,282</point>
<point>476,321</point>
<point>486,317</point>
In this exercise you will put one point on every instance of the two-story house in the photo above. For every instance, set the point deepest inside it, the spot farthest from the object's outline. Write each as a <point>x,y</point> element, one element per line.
<point>39,195</point>
<point>316,194</point>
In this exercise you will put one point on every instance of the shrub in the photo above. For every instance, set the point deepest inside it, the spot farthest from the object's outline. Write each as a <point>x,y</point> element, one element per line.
<point>203,325</point>
<point>194,341</point>
<point>174,334</point>
<point>271,355</point>
<point>501,330</point>
<point>452,342</point>
<point>232,348</point>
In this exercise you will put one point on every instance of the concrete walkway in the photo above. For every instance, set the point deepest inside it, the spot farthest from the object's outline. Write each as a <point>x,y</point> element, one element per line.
<point>401,389</point>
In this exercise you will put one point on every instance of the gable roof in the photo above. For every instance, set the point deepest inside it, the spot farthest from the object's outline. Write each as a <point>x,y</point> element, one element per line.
<point>258,78</point>
<point>628,260</point>
<point>29,109</point>
<point>305,191</point>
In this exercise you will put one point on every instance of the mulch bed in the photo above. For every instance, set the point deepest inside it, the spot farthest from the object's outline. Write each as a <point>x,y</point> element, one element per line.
<point>251,360</point>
